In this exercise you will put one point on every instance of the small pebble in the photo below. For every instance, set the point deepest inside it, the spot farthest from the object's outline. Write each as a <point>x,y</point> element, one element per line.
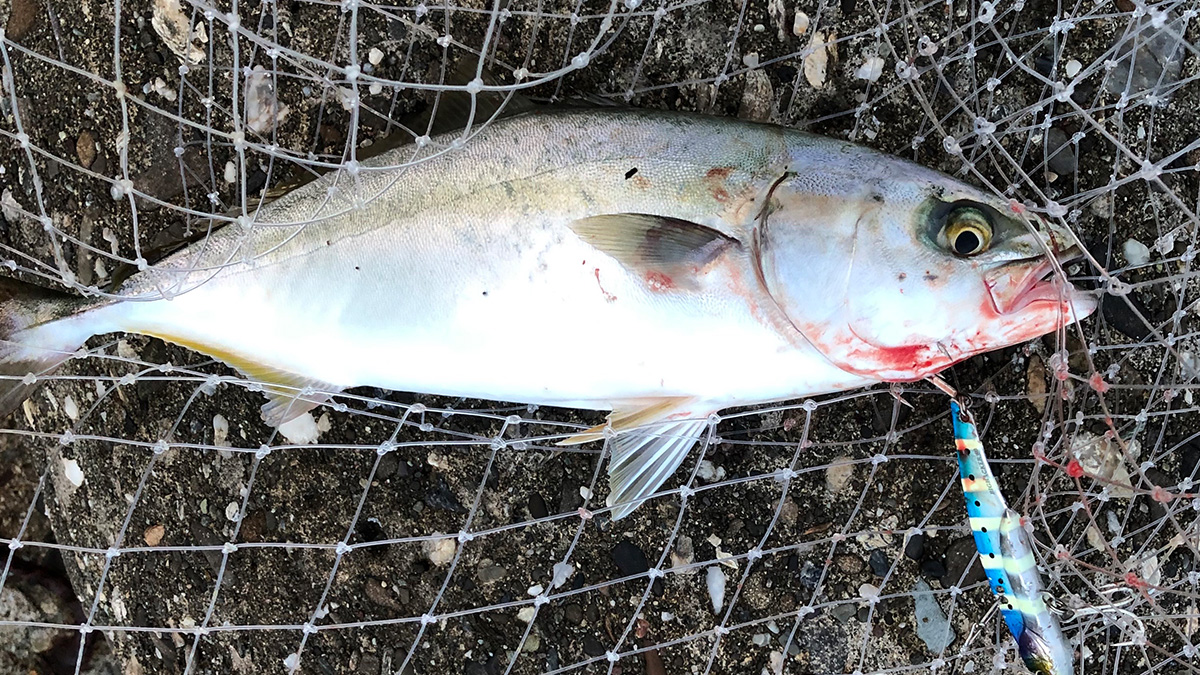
<point>85,149</point>
<point>1072,68</point>
<point>800,24</point>
<point>375,56</point>
<point>709,472</point>
<point>914,549</point>
<point>301,430</point>
<point>562,572</point>
<point>934,569</point>
<point>629,559</point>
<point>70,407</point>
<point>72,471</point>
<point>715,579</point>
<point>490,573</point>
<point>153,535</point>
<point>573,614</point>
<point>230,172</point>
<point>525,614</point>
<point>870,70</point>
<point>810,574</point>
<point>844,612</point>
<point>1135,252</point>
<point>932,626</point>
<point>839,473</point>
<point>440,551</point>
<point>592,646</point>
<point>537,507</point>
<point>958,556</point>
<point>879,562</point>
<point>220,430</point>
<point>760,639</point>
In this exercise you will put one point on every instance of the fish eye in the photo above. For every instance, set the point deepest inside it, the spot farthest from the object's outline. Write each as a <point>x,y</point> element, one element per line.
<point>967,231</point>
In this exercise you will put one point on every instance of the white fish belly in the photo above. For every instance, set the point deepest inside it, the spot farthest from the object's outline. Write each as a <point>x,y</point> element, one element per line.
<point>517,311</point>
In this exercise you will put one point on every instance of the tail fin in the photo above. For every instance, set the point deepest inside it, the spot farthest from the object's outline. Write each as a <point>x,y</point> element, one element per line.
<point>39,329</point>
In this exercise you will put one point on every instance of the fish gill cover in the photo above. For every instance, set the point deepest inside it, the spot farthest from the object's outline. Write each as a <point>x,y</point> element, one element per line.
<point>154,524</point>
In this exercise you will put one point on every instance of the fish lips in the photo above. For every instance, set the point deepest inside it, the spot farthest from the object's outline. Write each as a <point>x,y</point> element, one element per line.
<point>1033,283</point>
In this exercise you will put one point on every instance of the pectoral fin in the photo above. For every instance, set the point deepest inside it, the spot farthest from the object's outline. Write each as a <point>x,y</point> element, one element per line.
<point>667,252</point>
<point>646,448</point>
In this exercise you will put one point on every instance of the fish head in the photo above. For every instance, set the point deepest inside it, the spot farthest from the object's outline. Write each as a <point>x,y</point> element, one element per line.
<point>894,271</point>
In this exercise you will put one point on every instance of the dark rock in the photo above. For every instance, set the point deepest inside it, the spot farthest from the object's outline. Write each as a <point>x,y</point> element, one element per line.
<point>23,16</point>
<point>863,614</point>
<point>960,554</point>
<point>844,612</point>
<point>915,548</point>
<point>592,646</point>
<point>629,559</point>
<point>810,574</point>
<point>369,664</point>
<point>1060,154</point>
<point>573,613</point>
<point>370,530</point>
<point>1189,460</point>
<point>537,506</point>
<point>848,7</point>
<point>440,497</point>
<point>879,562</point>
<point>388,464</point>
<point>1122,313</point>
<point>933,568</point>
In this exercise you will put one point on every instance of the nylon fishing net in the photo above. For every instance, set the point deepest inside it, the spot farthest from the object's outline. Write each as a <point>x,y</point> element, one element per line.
<point>154,523</point>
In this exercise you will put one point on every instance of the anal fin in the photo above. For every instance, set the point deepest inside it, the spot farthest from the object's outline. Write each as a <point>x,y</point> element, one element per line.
<point>648,445</point>
<point>288,395</point>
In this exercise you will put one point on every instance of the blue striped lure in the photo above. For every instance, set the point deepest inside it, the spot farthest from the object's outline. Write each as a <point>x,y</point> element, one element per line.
<point>1006,552</point>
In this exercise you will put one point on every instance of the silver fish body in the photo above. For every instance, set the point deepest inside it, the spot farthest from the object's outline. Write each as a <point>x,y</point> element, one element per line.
<point>659,265</point>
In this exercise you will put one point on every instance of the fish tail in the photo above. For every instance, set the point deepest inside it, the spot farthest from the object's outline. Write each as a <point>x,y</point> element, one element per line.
<point>39,330</point>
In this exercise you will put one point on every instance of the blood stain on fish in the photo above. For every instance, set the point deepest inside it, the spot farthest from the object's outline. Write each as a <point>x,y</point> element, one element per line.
<point>608,297</point>
<point>659,281</point>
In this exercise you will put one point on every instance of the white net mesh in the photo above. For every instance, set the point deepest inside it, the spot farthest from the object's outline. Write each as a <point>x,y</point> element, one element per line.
<point>416,534</point>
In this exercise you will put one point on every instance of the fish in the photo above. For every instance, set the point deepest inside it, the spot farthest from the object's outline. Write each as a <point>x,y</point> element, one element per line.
<point>1006,553</point>
<point>660,266</point>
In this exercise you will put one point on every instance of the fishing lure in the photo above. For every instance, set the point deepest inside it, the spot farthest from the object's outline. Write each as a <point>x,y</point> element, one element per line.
<point>1006,551</point>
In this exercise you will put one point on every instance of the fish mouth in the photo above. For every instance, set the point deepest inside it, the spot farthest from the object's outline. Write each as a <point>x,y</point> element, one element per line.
<point>1034,281</point>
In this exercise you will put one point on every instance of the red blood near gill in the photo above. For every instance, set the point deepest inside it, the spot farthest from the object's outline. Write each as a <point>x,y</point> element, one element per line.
<point>657,281</point>
<point>1097,382</point>
<point>719,172</point>
<point>1074,469</point>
